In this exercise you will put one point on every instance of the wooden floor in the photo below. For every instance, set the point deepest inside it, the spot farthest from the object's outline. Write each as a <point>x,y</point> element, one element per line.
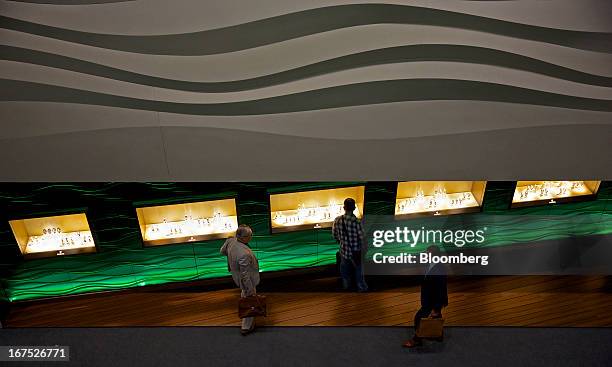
<point>493,301</point>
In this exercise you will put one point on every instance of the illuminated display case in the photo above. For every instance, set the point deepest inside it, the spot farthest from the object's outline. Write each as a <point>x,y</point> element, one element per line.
<point>424,198</point>
<point>187,222</point>
<point>312,209</point>
<point>51,236</point>
<point>530,193</point>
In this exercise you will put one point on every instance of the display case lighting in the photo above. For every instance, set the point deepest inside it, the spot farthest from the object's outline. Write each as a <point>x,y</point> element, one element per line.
<point>438,197</point>
<point>187,222</point>
<point>550,190</point>
<point>529,193</point>
<point>312,209</point>
<point>190,227</point>
<point>310,215</point>
<point>53,236</point>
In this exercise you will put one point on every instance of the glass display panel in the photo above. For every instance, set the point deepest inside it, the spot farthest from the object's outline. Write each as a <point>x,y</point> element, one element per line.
<point>423,198</point>
<point>187,222</point>
<point>528,193</point>
<point>312,209</point>
<point>53,236</point>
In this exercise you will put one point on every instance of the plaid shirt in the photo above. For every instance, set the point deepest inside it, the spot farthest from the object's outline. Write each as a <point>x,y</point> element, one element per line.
<point>350,241</point>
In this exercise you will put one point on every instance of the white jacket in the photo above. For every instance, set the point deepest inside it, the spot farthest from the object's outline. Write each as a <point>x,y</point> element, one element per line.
<point>243,265</point>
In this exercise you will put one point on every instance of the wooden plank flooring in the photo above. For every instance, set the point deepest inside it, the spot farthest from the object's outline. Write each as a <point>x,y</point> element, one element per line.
<point>575,301</point>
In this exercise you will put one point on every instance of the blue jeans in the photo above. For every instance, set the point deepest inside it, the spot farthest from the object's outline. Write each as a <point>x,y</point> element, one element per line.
<point>350,272</point>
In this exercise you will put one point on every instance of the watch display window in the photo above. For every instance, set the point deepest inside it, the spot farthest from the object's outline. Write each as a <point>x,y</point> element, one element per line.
<point>530,193</point>
<point>187,222</point>
<point>424,198</point>
<point>312,209</point>
<point>53,236</point>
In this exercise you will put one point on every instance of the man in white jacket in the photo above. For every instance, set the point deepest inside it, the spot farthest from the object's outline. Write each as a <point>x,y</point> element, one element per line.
<point>243,265</point>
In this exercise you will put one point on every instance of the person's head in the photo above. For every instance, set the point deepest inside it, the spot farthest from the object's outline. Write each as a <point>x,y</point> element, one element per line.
<point>349,205</point>
<point>434,250</point>
<point>244,233</point>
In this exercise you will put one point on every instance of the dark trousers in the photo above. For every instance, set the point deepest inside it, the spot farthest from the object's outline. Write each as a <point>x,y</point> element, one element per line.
<point>423,312</point>
<point>351,272</point>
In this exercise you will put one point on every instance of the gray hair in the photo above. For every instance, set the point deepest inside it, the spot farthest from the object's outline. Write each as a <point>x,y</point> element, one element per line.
<point>243,231</point>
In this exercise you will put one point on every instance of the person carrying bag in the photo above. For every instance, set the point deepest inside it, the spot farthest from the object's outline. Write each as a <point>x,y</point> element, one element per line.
<point>244,267</point>
<point>428,321</point>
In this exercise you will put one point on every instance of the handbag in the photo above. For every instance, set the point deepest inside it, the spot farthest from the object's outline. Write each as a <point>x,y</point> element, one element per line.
<point>252,306</point>
<point>431,327</point>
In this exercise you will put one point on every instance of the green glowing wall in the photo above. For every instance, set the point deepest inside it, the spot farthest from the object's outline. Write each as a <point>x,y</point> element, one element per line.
<point>122,262</point>
<point>506,226</point>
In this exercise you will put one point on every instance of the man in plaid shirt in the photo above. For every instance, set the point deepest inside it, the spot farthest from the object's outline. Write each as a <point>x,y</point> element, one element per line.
<point>348,232</point>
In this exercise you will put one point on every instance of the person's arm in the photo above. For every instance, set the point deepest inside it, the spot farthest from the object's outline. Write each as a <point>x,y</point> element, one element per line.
<point>223,249</point>
<point>335,230</point>
<point>245,276</point>
<point>362,241</point>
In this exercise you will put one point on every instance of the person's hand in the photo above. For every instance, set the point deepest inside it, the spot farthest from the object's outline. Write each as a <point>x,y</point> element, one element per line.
<point>435,313</point>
